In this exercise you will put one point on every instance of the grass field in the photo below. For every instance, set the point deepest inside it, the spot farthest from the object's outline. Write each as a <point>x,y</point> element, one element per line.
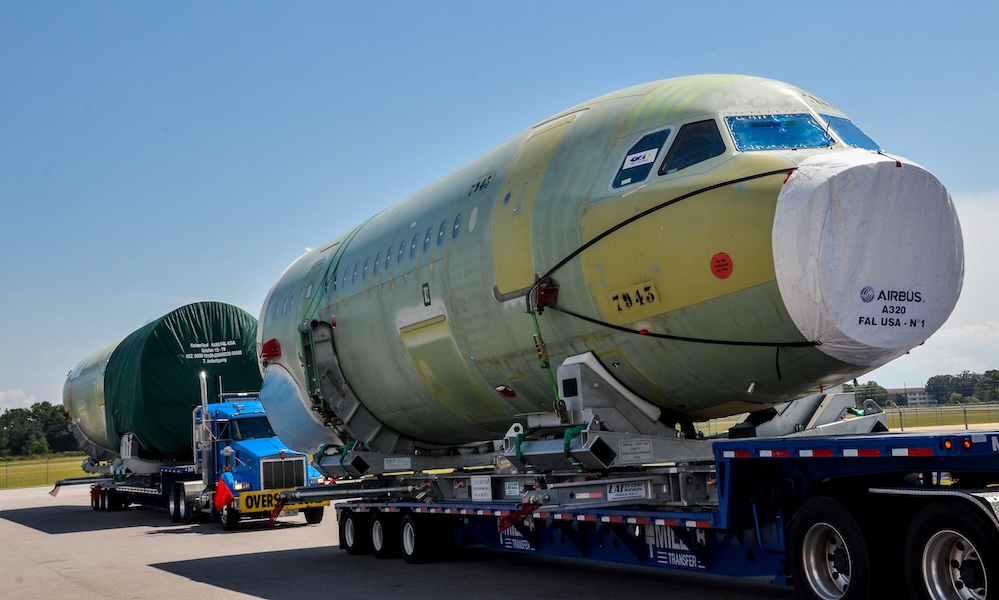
<point>43,471</point>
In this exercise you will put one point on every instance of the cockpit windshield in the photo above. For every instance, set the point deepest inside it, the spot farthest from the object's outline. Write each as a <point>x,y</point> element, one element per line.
<point>777,132</point>
<point>850,133</point>
<point>250,429</point>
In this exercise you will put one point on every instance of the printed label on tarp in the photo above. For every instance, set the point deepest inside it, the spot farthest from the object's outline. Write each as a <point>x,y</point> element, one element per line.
<point>210,353</point>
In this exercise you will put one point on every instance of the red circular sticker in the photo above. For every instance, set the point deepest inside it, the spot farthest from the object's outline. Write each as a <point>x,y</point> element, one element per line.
<point>721,265</point>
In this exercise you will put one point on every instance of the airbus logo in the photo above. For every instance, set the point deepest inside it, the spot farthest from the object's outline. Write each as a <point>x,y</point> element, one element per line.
<point>867,294</point>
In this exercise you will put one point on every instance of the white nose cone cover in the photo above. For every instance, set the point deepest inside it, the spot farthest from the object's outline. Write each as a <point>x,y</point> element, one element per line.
<point>868,254</point>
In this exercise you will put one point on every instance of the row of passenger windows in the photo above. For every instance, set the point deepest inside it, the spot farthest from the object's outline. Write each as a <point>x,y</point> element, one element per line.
<point>393,256</point>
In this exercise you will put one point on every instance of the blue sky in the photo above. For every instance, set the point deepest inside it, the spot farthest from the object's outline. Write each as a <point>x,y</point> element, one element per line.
<point>155,154</point>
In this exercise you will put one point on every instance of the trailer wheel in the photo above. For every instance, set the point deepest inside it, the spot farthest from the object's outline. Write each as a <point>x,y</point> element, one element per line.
<point>951,552</point>
<point>417,540</point>
<point>172,505</point>
<point>229,517</point>
<point>355,532</point>
<point>314,515</point>
<point>384,535</point>
<point>114,501</point>
<point>828,554</point>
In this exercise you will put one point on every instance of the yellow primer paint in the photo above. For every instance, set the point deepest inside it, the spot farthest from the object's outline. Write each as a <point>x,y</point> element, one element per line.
<point>513,251</point>
<point>666,100</point>
<point>663,252</point>
<point>435,355</point>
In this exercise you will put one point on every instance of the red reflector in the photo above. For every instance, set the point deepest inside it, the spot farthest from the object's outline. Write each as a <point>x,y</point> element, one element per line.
<point>270,350</point>
<point>506,391</point>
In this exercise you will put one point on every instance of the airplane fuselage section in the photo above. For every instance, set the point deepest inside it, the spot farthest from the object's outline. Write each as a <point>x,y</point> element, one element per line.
<point>667,216</point>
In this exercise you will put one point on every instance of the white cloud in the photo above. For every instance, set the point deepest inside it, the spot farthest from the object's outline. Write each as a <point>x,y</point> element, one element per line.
<point>15,398</point>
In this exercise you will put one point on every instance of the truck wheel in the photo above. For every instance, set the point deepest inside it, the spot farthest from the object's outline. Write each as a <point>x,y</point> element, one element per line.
<point>951,552</point>
<point>229,518</point>
<point>417,540</point>
<point>172,505</point>
<point>183,505</point>
<point>355,535</point>
<point>827,553</point>
<point>314,514</point>
<point>384,535</point>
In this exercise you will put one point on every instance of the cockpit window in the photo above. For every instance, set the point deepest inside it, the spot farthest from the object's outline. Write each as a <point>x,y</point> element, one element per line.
<point>695,142</point>
<point>777,132</point>
<point>638,162</point>
<point>850,133</point>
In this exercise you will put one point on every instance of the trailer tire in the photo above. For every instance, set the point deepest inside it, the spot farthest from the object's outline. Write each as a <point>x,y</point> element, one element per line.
<point>355,533</point>
<point>385,535</point>
<point>828,554</point>
<point>173,506</point>
<point>952,551</point>
<point>229,517</point>
<point>114,501</point>
<point>417,540</point>
<point>314,515</point>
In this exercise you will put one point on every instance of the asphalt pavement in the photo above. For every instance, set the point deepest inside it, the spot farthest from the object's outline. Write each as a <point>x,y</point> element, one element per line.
<point>58,547</point>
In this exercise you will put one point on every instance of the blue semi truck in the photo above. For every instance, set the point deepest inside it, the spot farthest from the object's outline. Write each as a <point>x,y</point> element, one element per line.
<point>238,468</point>
<point>137,409</point>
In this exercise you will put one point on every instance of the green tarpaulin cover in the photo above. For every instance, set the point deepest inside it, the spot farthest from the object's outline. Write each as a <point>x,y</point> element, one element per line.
<point>151,379</point>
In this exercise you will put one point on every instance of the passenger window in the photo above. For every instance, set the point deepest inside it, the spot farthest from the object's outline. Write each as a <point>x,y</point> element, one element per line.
<point>641,157</point>
<point>335,277</point>
<point>412,247</point>
<point>440,233</point>
<point>388,257</point>
<point>353,277</point>
<point>402,249</point>
<point>457,227</point>
<point>426,239</point>
<point>695,142</point>
<point>378,260</point>
<point>364,274</point>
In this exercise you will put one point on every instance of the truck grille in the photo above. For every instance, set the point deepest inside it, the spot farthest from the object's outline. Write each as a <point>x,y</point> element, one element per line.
<point>287,473</point>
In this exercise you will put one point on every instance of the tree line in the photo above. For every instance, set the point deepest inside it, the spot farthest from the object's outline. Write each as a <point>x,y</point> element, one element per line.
<point>964,388</point>
<point>35,431</point>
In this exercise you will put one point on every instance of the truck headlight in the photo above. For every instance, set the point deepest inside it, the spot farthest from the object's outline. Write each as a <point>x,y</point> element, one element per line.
<point>240,486</point>
<point>317,481</point>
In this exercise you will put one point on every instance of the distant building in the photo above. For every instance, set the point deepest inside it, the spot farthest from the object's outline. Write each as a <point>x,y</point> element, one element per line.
<point>916,396</point>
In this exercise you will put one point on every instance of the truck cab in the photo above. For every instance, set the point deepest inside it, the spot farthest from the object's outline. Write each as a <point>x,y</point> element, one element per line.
<point>243,464</point>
